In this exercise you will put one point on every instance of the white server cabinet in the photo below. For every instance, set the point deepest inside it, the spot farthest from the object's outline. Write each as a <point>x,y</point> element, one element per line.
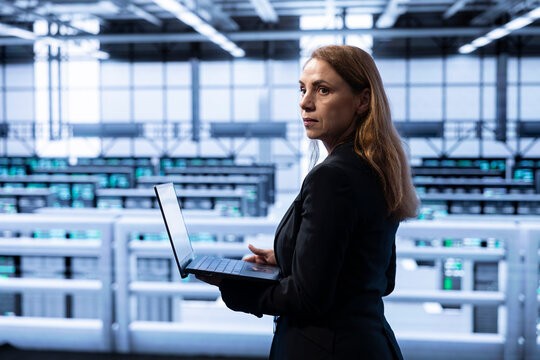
<point>43,304</point>
<point>83,306</point>
<point>58,332</point>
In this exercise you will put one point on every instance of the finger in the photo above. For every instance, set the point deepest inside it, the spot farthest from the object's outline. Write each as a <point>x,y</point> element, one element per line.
<point>256,250</point>
<point>250,258</point>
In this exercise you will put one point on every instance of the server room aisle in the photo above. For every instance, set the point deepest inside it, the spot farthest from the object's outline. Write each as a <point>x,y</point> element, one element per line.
<point>8,352</point>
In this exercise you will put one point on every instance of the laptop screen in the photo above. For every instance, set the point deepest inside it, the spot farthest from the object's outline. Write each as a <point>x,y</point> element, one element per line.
<point>174,221</point>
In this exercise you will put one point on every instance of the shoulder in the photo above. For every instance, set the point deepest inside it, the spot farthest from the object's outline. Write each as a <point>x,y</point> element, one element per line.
<point>326,173</point>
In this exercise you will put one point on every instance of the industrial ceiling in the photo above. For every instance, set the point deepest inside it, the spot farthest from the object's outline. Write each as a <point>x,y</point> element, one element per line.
<point>146,29</point>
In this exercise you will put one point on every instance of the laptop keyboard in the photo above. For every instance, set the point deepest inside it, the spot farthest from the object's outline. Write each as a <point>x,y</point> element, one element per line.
<point>220,265</point>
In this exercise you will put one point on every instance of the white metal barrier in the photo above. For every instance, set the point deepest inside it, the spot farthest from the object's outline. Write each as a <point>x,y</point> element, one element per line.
<point>438,345</point>
<point>208,327</point>
<point>90,334</point>
<point>530,237</point>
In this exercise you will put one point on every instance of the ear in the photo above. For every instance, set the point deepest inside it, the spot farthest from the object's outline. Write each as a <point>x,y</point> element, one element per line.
<point>363,98</point>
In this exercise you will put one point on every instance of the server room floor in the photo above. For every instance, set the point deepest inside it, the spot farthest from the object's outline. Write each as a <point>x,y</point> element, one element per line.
<point>8,352</point>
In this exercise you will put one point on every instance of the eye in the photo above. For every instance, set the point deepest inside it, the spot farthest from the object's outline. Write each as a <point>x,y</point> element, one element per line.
<point>323,90</point>
<point>302,90</point>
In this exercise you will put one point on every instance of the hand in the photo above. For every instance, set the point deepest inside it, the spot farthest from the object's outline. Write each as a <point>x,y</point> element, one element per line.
<point>209,279</point>
<point>262,256</point>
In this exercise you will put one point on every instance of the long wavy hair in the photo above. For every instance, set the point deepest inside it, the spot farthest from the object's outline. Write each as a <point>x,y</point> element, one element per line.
<point>375,139</point>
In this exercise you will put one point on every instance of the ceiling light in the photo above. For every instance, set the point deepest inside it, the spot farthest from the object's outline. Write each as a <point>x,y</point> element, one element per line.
<point>534,14</point>
<point>518,23</point>
<point>497,33</point>
<point>265,10</point>
<point>467,49</point>
<point>502,31</point>
<point>481,41</point>
<point>188,17</point>
<point>17,32</point>
<point>100,54</point>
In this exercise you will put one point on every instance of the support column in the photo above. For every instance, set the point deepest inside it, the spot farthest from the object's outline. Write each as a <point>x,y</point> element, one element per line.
<point>501,96</point>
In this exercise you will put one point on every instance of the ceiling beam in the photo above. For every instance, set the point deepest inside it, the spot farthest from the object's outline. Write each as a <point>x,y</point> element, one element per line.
<point>282,35</point>
<point>391,13</point>
<point>49,18</point>
<point>265,10</point>
<point>494,12</point>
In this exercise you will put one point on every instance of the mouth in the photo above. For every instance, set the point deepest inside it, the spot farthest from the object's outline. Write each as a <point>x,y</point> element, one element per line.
<point>309,121</point>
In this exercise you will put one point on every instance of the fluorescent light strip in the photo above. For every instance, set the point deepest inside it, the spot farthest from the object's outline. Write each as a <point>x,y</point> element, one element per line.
<point>497,33</point>
<point>189,18</point>
<point>502,31</point>
<point>17,32</point>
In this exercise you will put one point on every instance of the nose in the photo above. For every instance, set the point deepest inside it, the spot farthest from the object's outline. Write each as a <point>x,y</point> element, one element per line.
<point>306,102</point>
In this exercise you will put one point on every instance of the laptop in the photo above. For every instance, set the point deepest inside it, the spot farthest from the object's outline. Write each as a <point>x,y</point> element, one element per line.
<point>183,252</point>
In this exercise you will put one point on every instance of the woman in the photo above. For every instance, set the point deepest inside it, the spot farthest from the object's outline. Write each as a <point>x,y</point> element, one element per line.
<point>336,243</point>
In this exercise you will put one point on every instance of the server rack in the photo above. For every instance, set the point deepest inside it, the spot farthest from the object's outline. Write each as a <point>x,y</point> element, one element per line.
<point>255,187</point>
<point>268,170</point>
<point>117,177</point>
<point>20,200</point>
<point>227,202</point>
<point>67,191</point>
<point>487,204</point>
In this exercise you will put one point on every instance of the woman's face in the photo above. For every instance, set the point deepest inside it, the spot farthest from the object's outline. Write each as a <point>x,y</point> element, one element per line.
<point>328,105</point>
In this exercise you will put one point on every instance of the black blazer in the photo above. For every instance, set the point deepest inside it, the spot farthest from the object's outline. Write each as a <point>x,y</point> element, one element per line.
<point>336,249</point>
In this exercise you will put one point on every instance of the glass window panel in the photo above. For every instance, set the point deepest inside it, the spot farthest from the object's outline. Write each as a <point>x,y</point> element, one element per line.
<point>148,74</point>
<point>249,72</point>
<point>285,72</point>
<point>81,74</point>
<point>115,74</point>
<point>115,105</point>
<point>19,75</point>
<point>511,102</point>
<point>285,104</point>
<point>80,106</point>
<point>41,74</point>
<point>2,106</point>
<point>530,104</point>
<point>178,74</point>
<point>215,105</point>
<point>426,103</point>
<point>392,71</point>
<point>42,106</point>
<point>426,71</point>
<point>148,105</point>
<point>179,105</point>
<point>489,69</point>
<point>462,102</point>
<point>489,102</point>
<point>215,73</point>
<point>463,69</point>
<point>512,76</point>
<point>20,106</point>
<point>396,97</point>
<point>530,70</point>
<point>247,105</point>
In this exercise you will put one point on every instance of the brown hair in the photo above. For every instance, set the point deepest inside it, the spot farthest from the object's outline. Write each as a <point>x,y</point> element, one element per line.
<point>376,139</point>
